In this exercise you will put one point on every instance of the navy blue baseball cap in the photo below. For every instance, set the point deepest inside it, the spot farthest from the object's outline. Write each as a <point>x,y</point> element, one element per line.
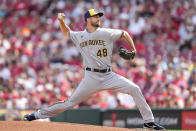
<point>92,12</point>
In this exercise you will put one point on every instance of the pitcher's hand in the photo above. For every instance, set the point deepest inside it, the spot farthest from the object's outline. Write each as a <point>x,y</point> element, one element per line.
<point>61,16</point>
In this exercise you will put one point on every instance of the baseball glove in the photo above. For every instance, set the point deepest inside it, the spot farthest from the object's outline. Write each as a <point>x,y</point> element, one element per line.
<point>126,54</point>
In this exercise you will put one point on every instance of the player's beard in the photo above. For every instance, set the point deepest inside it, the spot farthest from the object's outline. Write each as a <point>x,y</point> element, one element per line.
<point>97,24</point>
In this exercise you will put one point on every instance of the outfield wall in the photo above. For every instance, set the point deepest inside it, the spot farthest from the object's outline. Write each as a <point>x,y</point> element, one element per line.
<point>169,118</point>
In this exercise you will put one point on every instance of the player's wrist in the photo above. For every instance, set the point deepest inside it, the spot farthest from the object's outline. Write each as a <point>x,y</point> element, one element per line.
<point>60,20</point>
<point>134,49</point>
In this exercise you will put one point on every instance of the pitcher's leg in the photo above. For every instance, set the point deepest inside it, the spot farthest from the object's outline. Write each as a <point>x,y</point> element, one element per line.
<point>140,101</point>
<point>86,88</point>
<point>123,85</point>
<point>55,109</point>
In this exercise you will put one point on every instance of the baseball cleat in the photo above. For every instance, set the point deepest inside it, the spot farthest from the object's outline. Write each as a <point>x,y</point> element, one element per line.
<point>29,117</point>
<point>153,125</point>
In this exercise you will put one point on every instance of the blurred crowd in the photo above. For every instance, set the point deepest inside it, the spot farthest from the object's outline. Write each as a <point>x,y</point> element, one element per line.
<point>39,66</point>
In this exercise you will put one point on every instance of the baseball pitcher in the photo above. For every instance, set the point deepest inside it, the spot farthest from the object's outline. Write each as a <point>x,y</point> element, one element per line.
<point>95,45</point>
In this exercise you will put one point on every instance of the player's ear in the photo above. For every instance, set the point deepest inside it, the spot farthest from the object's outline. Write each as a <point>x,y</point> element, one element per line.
<point>87,20</point>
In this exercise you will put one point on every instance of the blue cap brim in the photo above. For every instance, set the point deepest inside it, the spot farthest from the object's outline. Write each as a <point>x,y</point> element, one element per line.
<point>100,14</point>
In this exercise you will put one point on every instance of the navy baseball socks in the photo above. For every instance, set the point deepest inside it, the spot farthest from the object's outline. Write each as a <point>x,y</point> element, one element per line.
<point>29,117</point>
<point>153,125</point>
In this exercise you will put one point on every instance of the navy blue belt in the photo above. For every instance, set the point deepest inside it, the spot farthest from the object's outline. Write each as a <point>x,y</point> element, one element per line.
<point>98,70</point>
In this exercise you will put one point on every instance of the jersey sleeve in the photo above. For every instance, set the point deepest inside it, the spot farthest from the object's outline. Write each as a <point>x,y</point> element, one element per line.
<point>115,34</point>
<point>74,36</point>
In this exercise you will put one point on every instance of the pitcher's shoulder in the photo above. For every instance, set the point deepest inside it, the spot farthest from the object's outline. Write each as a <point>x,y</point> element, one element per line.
<point>105,30</point>
<point>77,32</point>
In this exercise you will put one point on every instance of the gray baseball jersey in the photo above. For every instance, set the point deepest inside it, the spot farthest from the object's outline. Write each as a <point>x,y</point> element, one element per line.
<point>96,47</point>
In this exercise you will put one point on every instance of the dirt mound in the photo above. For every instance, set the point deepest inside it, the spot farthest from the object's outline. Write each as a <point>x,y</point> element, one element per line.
<point>54,126</point>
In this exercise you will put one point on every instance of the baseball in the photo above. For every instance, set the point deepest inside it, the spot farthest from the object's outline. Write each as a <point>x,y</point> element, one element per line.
<point>61,16</point>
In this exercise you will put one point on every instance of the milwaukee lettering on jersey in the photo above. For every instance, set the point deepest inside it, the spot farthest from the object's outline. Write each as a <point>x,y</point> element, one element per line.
<point>92,42</point>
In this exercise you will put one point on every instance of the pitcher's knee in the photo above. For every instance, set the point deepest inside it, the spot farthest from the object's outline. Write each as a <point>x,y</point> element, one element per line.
<point>136,89</point>
<point>69,104</point>
<point>72,102</point>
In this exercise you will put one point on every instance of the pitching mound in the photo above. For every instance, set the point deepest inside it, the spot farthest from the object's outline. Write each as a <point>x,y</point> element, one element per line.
<point>54,126</point>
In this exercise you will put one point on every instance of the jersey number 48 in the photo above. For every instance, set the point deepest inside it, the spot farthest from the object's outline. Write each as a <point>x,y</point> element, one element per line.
<point>102,52</point>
